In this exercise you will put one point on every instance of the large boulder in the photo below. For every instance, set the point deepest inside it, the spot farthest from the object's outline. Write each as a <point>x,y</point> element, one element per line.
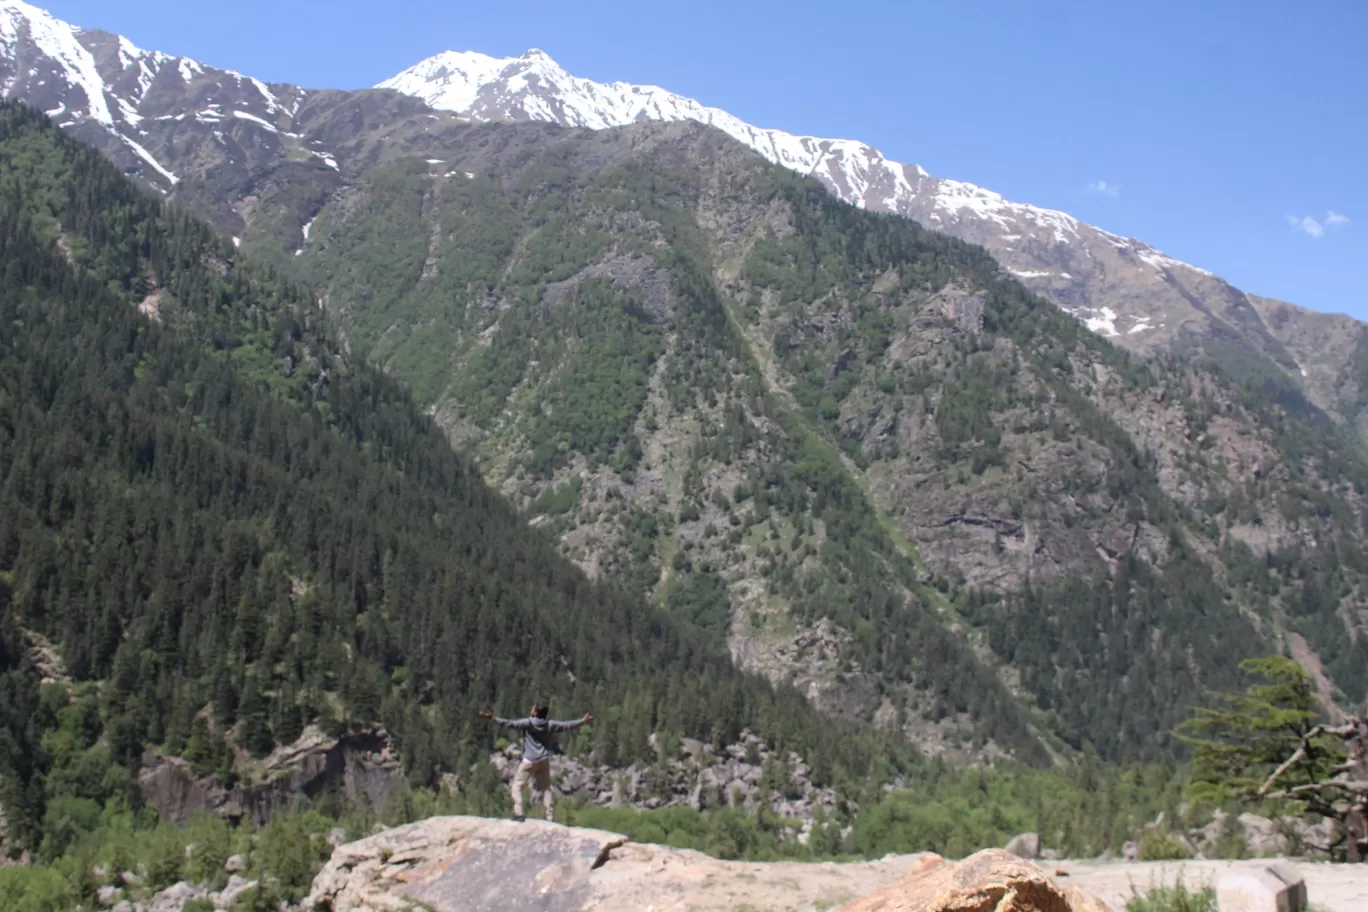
<point>471,864</point>
<point>1026,845</point>
<point>993,880</point>
<point>1274,888</point>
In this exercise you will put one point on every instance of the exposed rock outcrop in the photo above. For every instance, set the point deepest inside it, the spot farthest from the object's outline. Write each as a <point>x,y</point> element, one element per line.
<point>361,765</point>
<point>699,776</point>
<point>993,880</point>
<point>475,864</point>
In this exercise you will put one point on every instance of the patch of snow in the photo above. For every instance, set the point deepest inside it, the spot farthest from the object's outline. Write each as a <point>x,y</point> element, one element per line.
<point>1303,371</point>
<point>1030,274</point>
<point>147,157</point>
<point>189,69</point>
<point>237,242</point>
<point>436,161</point>
<point>307,226</point>
<point>272,104</point>
<point>60,109</point>
<point>129,53</point>
<point>128,112</point>
<point>470,175</point>
<point>1161,262</point>
<point>243,115</point>
<point>1104,323</point>
<point>57,40</point>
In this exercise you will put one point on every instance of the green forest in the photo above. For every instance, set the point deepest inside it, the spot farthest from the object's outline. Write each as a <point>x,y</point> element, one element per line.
<point>234,531</point>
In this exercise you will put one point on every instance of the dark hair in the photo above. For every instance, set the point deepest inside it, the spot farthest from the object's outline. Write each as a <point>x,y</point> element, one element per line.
<point>540,709</point>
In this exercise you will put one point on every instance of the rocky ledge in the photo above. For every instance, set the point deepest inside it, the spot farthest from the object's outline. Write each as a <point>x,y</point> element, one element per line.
<point>473,864</point>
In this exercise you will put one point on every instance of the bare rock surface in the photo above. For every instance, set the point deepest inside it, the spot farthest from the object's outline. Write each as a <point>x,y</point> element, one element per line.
<point>475,864</point>
<point>993,880</point>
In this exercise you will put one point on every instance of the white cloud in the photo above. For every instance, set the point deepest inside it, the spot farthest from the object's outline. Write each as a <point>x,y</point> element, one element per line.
<point>1104,188</point>
<point>1316,228</point>
<point>1306,223</point>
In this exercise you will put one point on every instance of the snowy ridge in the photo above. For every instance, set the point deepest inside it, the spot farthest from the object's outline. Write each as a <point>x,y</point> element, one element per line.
<point>84,76</point>
<point>534,87</point>
<point>57,41</point>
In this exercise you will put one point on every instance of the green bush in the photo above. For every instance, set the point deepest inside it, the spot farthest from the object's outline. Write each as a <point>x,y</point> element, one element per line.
<point>37,889</point>
<point>1161,845</point>
<point>1175,898</point>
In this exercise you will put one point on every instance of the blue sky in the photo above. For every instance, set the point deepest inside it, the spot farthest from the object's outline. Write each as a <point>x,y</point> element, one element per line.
<point>1232,135</point>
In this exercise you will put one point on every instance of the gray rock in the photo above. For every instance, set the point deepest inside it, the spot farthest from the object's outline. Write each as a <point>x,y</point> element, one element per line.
<point>108,896</point>
<point>1026,845</point>
<point>336,836</point>
<point>123,906</point>
<point>363,765</point>
<point>1274,888</point>
<point>1131,851</point>
<point>174,897</point>
<point>228,896</point>
<point>486,865</point>
<point>130,879</point>
<point>236,863</point>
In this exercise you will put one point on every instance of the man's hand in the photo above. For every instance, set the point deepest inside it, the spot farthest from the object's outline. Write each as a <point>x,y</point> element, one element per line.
<point>588,718</point>
<point>485,715</point>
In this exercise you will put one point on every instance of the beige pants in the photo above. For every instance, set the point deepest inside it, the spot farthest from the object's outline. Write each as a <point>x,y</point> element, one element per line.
<point>538,775</point>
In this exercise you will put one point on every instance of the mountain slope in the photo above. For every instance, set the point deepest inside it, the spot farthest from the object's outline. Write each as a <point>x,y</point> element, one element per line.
<point>1119,287</point>
<point>764,407</point>
<point>860,453</point>
<point>206,508</point>
<point>210,135</point>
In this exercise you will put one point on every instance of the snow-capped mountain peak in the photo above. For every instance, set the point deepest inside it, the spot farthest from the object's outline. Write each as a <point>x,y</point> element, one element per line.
<point>78,75</point>
<point>1049,250</point>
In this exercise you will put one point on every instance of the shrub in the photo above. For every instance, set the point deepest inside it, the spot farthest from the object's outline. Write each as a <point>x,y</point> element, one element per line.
<point>1175,898</point>
<point>1162,845</point>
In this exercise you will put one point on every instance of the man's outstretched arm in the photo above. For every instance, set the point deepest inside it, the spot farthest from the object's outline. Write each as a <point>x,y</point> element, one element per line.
<point>560,725</point>
<point>508,723</point>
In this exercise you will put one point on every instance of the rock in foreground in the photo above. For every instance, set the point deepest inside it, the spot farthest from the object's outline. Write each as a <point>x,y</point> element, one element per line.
<point>474,864</point>
<point>993,880</point>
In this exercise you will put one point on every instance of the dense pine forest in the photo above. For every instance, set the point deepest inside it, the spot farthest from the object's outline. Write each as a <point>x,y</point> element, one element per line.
<point>227,529</point>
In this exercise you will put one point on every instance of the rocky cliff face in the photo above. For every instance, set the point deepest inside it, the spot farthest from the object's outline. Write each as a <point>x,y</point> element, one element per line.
<point>360,766</point>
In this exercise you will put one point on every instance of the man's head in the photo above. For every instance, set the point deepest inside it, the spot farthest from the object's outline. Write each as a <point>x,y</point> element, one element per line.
<point>540,709</point>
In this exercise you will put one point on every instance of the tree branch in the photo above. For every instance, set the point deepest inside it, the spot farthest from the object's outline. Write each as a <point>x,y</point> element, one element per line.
<point>1298,754</point>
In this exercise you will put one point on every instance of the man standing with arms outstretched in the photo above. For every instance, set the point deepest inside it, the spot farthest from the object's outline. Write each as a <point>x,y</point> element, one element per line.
<point>538,748</point>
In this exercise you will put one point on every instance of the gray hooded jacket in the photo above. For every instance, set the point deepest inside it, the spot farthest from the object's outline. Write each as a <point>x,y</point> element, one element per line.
<point>537,741</point>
